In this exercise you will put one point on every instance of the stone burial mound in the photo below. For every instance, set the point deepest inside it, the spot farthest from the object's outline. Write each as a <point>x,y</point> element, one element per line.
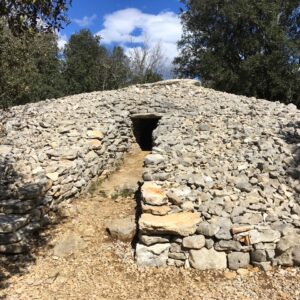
<point>221,184</point>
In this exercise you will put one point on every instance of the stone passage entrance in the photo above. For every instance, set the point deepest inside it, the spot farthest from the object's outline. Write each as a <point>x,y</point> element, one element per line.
<point>143,126</point>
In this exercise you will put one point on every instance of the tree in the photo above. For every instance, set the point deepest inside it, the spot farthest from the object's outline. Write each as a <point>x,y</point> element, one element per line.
<point>29,68</point>
<point>45,56</point>
<point>85,63</point>
<point>245,47</point>
<point>91,67</point>
<point>34,15</point>
<point>146,63</point>
<point>119,68</point>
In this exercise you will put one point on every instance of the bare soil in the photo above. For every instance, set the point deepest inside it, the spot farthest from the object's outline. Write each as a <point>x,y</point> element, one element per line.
<point>101,268</point>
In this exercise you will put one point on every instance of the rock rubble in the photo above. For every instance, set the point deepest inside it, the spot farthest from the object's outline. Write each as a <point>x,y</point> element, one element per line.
<point>221,184</point>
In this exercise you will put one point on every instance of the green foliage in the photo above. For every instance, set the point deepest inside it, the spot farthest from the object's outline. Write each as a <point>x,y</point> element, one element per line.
<point>29,68</point>
<point>91,67</point>
<point>29,16</point>
<point>149,77</point>
<point>152,76</point>
<point>82,62</point>
<point>119,69</point>
<point>245,47</point>
<point>33,69</point>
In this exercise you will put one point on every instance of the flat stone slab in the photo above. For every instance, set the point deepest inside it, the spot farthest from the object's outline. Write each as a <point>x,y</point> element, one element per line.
<point>11,223</point>
<point>154,159</point>
<point>205,259</point>
<point>265,236</point>
<point>153,194</point>
<point>95,134</point>
<point>194,242</point>
<point>156,210</point>
<point>183,223</point>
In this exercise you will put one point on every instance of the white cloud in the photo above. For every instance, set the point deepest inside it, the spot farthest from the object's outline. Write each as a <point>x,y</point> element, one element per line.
<point>122,25</point>
<point>62,40</point>
<point>85,21</point>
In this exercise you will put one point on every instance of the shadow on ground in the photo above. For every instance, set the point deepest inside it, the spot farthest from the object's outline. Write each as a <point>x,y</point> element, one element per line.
<point>34,236</point>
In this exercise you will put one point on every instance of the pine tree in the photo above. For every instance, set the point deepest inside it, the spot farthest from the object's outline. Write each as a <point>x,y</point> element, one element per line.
<point>245,47</point>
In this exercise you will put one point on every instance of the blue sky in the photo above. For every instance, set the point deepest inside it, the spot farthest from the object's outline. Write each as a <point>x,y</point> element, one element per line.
<point>128,22</point>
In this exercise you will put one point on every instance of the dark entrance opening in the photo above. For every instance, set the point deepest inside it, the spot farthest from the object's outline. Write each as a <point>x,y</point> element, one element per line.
<point>143,126</point>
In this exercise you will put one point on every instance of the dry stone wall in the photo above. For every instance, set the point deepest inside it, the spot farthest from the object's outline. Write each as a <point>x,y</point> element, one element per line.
<point>52,150</point>
<point>221,186</point>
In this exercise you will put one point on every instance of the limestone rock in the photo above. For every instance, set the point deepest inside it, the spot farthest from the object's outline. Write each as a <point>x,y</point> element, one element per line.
<point>237,260</point>
<point>208,229</point>
<point>156,210</point>
<point>205,259</point>
<point>95,134</point>
<point>15,248</point>
<point>182,224</point>
<point>150,240</point>
<point>95,144</point>
<point>266,235</point>
<point>153,194</point>
<point>5,150</point>
<point>225,245</point>
<point>174,197</point>
<point>152,256</point>
<point>10,238</point>
<point>258,256</point>
<point>53,176</point>
<point>123,229</point>
<point>153,159</point>
<point>194,242</point>
<point>287,242</point>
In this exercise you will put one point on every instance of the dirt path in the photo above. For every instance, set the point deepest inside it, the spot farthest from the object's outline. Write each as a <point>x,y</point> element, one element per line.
<point>125,180</point>
<point>93,266</point>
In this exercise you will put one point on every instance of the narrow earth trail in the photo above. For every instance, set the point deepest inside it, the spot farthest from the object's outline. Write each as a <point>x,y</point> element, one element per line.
<point>126,178</point>
<point>81,261</point>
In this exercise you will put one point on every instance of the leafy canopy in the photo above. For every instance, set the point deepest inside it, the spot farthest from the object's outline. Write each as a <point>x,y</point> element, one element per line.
<point>91,67</point>
<point>30,69</point>
<point>34,15</point>
<point>249,47</point>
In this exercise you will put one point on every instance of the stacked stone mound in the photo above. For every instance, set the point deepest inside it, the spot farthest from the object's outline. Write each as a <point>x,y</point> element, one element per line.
<point>221,184</point>
<point>53,150</point>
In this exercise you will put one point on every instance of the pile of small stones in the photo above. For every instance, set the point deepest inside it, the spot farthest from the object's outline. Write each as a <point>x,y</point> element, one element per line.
<point>221,184</point>
<point>55,149</point>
